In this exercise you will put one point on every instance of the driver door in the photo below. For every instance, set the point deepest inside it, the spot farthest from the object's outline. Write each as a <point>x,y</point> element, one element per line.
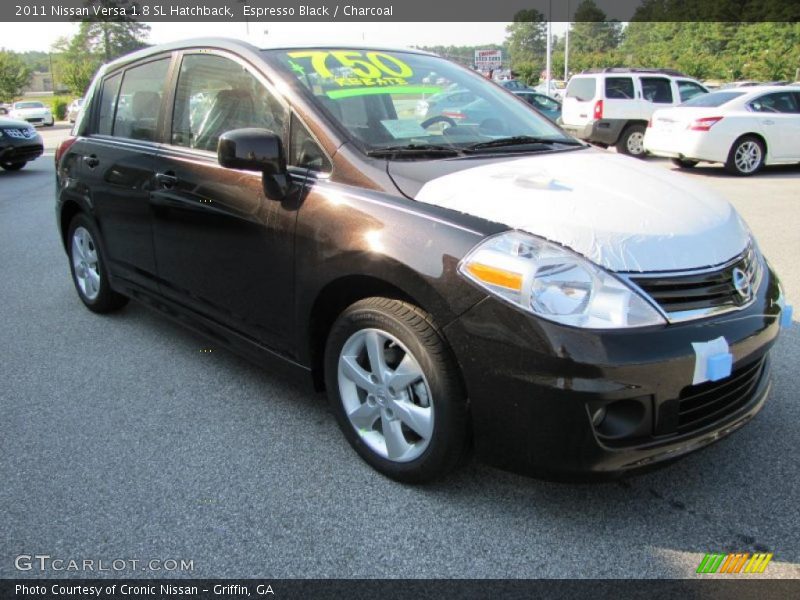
<point>223,248</point>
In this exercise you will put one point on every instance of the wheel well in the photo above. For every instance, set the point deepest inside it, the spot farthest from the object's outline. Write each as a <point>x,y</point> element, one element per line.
<point>331,302</point>
<point>68,212</point>
<point>758,136</point>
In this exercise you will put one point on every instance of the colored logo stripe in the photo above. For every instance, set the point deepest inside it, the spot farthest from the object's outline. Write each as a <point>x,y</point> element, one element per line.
<point>734,563</point>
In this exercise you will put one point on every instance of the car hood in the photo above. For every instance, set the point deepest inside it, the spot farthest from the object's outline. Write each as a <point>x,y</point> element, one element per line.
<point>29,111</point>
<point>619,212</point>
<point>15,123</point>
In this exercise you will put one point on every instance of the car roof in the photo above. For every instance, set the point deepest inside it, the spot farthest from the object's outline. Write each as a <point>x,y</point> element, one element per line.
<point>238,46</point>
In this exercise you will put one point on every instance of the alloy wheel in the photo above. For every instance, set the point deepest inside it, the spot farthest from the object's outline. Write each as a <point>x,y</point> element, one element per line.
<point>385,395</point>
<point>85,263</point>
<point>747,157</point>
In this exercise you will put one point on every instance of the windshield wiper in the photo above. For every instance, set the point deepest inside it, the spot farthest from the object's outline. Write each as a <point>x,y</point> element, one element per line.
<point>414,150</point>
<point>521,140</point>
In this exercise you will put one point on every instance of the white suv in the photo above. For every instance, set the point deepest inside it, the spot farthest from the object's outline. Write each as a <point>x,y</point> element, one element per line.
<point>611,107</point>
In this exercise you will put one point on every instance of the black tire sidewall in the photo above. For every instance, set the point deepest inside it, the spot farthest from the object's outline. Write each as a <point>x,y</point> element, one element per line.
<point>449,431</point>
<point>13,166</point>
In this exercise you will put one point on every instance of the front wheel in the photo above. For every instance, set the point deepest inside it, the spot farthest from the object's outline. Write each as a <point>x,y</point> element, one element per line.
<point>89,272</point>
<point>13,166</point>
<point>395,390</point>
<point>746,156</point>
<point>631,142</point>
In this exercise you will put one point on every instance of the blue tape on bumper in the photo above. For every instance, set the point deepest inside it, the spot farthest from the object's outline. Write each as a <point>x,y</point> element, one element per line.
<point>719,366</point>
<point>786,316</point>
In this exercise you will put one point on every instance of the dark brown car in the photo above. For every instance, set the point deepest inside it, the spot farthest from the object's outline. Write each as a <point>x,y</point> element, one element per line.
<point>491,284</point>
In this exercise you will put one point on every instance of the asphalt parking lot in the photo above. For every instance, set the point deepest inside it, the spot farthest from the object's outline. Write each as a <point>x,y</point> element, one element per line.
<point>120,439</point>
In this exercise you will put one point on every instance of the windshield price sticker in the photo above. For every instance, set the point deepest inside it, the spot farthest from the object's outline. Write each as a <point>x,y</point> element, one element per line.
<point>362,69</point>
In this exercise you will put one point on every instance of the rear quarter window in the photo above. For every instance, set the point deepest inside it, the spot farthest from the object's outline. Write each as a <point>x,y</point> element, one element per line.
<point>619,88</point>
<point>582,89</point>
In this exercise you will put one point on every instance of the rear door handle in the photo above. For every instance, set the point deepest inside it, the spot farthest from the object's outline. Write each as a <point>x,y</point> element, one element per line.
<point>91,161</point>
<point>166,180</point>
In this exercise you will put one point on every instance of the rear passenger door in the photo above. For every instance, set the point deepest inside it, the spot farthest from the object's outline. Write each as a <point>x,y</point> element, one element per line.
<point>779,120</point>
<point>118,162</point>
<point>224,249</point>
<point>620,98</point>
<point>656,93</point>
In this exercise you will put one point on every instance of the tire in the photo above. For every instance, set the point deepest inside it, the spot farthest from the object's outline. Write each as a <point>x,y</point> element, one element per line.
<point>13,166</point>
<point>746,156</point>
<point>89,272</point>
<point>430,395</point>
<point>631,142</point>
<point>684,163</point>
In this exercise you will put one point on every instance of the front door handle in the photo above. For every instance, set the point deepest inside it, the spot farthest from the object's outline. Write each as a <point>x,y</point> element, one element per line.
<point>91,161</point>
<point>768,122</point>
<point>167,180</point>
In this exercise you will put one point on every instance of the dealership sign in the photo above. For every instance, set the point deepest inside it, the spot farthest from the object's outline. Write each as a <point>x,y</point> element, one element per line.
<point>488,59</point>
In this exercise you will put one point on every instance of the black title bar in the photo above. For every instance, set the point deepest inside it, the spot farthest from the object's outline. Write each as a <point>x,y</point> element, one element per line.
<point>398,10</point>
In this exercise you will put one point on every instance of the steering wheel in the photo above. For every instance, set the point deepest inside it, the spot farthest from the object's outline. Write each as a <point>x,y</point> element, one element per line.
<point>438,119</point>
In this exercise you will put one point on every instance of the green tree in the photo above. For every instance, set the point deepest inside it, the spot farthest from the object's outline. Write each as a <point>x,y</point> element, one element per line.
<point>75,64</point>
<point>527,40</point>
<point>591,31</point>
<point>14,75</point>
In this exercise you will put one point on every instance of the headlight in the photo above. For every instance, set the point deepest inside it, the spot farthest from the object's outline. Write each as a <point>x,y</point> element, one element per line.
<point>554,283</point>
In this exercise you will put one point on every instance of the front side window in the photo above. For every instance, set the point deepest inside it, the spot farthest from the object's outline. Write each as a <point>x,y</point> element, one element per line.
<point>215,95</point>
<point>778,102</point>
<point>304,151</point>
<point>619,88</point>
<point>388,100</point>
<point>139,103</point>
<point>657,90</point>
<point>688,90</point>
<point>107,103</point>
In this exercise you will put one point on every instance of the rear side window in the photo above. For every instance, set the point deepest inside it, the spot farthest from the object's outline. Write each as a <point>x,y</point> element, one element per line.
<point>139,104</point>
<point>778,102</point>
<point>107,103</point>
<point>582,88</point>
<point>216,94</point>
<point>619,88</point>
<point>688,90</point>
<point>657,90</point>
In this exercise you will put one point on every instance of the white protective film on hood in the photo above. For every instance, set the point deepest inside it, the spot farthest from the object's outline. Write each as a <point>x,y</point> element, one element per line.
<point>617,211</point>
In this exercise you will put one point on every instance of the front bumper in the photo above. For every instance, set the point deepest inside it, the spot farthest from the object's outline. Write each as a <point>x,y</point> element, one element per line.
<point>602,131</point>
<point>534,387</point>
<point>14,151</point>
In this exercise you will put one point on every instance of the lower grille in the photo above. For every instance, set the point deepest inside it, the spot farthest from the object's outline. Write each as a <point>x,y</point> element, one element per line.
<point>701,405</point>
<point>24,153</point>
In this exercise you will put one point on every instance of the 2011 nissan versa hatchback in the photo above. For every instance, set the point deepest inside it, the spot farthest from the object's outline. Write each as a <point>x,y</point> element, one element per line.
<point>495,285</point>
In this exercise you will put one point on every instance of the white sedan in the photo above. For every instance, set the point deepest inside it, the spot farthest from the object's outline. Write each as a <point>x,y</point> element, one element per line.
<point>743,128</point>
<point>35,113</point>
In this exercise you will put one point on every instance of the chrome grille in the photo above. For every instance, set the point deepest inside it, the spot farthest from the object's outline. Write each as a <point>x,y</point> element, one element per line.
<point>20,134</point>
<point>684,296</point>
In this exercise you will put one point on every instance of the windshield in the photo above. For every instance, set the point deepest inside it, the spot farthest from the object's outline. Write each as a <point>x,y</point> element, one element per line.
<point>29,105</point>
<point>712,99</point>
<point>397,99</point>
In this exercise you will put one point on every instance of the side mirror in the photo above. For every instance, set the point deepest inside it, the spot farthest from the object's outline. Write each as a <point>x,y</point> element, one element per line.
<point>256,150</point>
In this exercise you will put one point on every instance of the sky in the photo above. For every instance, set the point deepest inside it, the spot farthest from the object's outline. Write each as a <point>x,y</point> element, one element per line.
<point>40,36</point>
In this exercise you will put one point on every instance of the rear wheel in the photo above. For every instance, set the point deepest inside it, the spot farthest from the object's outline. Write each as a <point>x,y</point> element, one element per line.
<point>394,388</point>
<point>746,156</point>
<point>89,272</point>
<point>631,142</point>
<point>684,163</point>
